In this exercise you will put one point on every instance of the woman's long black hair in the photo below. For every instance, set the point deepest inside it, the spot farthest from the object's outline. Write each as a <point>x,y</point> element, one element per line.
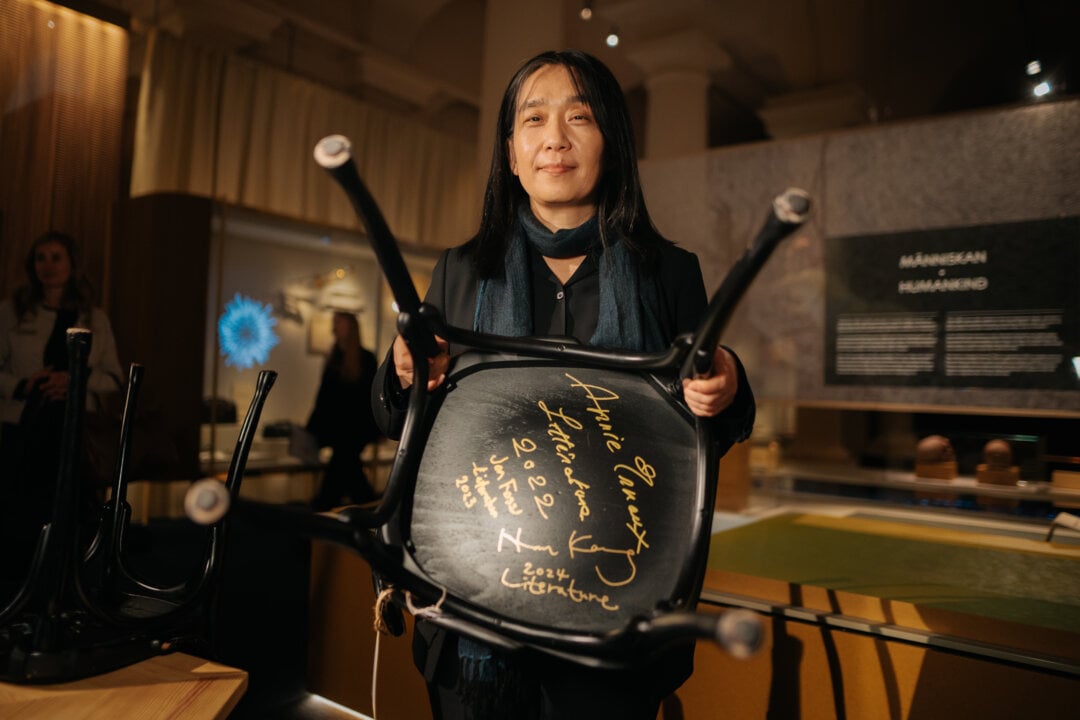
<point>620,204</point>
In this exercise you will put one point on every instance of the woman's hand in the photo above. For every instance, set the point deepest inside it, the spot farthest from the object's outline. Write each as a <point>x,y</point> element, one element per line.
<point>32,381</point>
<point>709,396</point>
<point>437,366</point>
<point>54,385</point>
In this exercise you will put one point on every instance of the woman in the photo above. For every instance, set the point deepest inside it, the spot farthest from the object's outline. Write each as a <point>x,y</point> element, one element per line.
<point>34,373</point>
<point>342,419</point>
<point>565,248</point>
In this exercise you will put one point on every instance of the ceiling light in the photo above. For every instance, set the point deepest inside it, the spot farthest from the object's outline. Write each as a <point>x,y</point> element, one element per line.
<point>1041,89</point>
<point>1034,67</point>
<point>586,10</point>
<point>612,40</point>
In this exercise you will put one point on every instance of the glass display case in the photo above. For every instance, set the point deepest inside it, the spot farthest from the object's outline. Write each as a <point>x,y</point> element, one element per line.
<point>870,457</point>
<point>283,281</point>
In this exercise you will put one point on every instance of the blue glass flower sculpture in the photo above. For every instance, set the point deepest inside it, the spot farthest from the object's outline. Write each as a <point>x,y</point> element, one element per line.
<point>246,332</point>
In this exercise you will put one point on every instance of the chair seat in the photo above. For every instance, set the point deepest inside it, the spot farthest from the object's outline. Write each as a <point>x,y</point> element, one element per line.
<point>565,497</point>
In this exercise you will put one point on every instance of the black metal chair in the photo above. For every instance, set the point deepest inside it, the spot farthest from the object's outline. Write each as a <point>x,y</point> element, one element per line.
<point>547,495</point>
<point>80,613</point>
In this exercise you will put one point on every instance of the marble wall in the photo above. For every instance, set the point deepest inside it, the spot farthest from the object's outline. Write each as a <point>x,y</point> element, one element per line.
<point>1002,165</point>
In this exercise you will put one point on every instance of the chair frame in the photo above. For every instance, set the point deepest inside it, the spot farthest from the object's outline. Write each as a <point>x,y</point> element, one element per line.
<point>382,536</point>
<point>79,614</point>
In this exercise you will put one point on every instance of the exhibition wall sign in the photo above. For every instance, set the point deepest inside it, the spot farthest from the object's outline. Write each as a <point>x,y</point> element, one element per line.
<point>993,306</point>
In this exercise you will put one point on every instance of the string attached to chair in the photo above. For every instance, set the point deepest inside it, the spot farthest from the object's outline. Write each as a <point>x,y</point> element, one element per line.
<point>379,624</point>
<point>430,610</point>
<point>381,628</point>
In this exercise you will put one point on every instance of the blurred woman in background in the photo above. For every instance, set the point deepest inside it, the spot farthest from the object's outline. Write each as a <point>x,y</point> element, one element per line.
<point>342,419</point>
<point>34,376</point>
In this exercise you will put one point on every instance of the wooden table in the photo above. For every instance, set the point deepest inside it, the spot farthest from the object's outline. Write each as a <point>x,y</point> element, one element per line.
<point>163,687</point>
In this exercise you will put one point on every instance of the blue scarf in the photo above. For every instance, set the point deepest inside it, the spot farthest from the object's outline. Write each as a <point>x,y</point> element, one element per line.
<point>629,298</point>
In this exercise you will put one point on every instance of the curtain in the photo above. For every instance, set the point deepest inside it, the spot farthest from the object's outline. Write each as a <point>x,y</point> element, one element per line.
<point>62,85</point>
<point>224,127</point>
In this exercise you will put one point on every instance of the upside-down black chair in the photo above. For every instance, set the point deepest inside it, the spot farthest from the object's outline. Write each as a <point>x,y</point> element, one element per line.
<point>547,495</point>
<point>82,612</point>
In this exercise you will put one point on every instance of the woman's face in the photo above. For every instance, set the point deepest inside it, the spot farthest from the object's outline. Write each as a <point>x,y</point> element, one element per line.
<point>342,327</point>
<point>556,149</point>
<point>52,265</point>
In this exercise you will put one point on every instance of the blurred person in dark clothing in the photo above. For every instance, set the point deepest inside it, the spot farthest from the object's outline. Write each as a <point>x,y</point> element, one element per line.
<point>343,419</point>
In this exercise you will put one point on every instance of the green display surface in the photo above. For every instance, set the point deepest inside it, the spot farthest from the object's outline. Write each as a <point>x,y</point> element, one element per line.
<point>1021,581</point>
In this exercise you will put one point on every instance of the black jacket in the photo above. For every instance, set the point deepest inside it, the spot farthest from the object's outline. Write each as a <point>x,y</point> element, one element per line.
<point>683,301</point>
